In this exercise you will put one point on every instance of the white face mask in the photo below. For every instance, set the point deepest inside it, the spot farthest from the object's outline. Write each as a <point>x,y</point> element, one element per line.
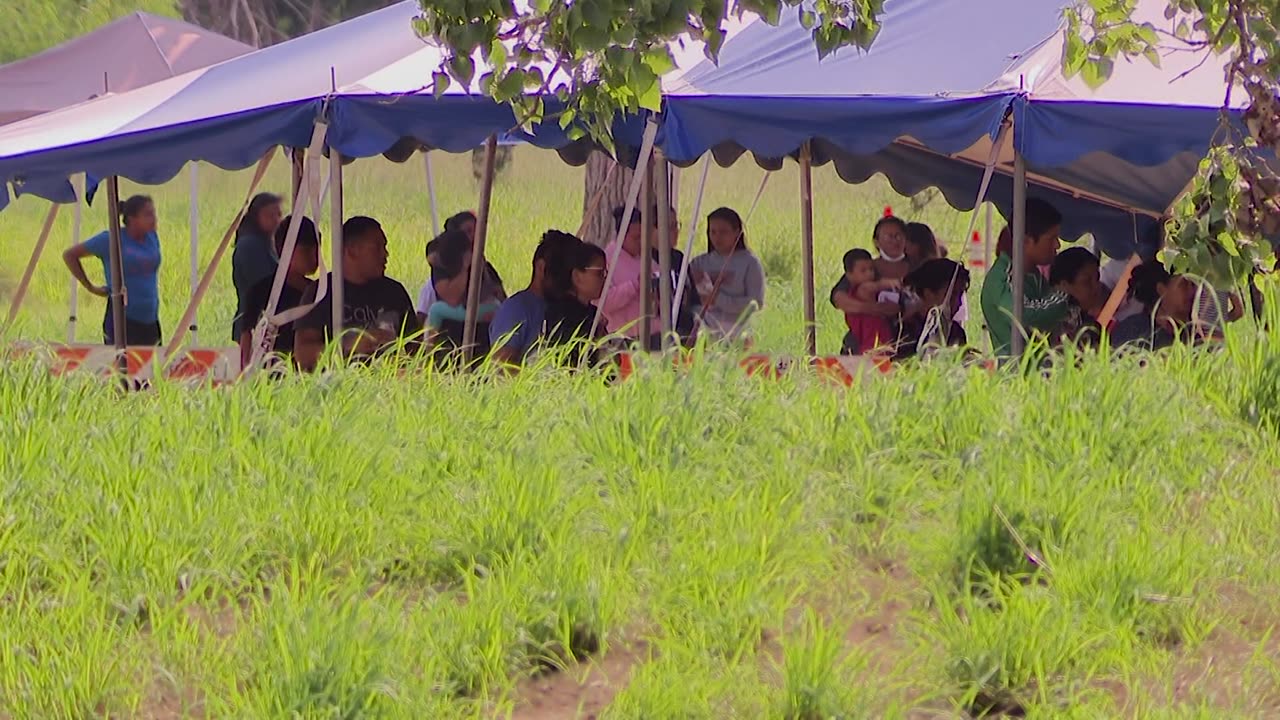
<point>899,258</point>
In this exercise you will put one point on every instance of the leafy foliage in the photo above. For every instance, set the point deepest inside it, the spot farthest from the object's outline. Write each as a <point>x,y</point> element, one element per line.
<point>601,58</point>
<point>1220,227</point>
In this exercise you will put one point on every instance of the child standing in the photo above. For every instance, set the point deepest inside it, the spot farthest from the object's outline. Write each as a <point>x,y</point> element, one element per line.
<point>868,331</point>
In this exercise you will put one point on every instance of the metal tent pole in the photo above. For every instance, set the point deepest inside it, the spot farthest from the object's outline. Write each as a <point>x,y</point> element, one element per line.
<point>664,250</point>
<point>297,163</point>
<point>336,288</point>
<point>1018,261</point>
<point>116,271</point>
<point>78,183</point>
<point>806,255</point>
<point>986,250</point>
<point>431,193</point>
<point>477,250</point>
<point>193,221</point>
<point>646,255</point>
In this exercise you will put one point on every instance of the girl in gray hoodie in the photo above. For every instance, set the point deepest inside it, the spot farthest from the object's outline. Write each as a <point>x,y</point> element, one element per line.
<point>729,278</point>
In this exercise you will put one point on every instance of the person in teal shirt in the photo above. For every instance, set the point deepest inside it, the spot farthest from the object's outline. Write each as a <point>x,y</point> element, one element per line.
<point>450,273</point>
<point>1043,308</point>
<point>140,252</point>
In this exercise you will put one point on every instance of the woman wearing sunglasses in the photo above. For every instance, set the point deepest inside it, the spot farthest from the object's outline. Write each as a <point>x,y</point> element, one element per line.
<point>571,297</point>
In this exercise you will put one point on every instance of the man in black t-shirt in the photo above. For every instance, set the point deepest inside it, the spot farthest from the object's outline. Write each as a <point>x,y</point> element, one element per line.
<point>297,284</point>
<point>376,310</point>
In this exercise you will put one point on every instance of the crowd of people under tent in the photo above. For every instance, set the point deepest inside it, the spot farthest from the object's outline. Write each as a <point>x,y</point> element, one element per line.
<point>905,299</point>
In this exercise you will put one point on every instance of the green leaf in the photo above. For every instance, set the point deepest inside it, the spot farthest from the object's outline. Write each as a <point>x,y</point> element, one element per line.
<point>462,68</point>
<point>509,86</point>
<point>807,18</point>
<point>864,34</point>
<point>1097,71</point>
<point>591,39</point>
<point>439,83</point>
<point>596,13</point>
<point>497,55</point>
<point>534,79</point>
<point>1147,33</point>
<point>1073,55</point>
<point>650,98</point>
<point>659,60</point>
<point>1152,56</point>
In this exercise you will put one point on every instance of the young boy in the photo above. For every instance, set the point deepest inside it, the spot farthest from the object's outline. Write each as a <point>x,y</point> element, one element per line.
<point>303,264</point>
<point>1043,307</point>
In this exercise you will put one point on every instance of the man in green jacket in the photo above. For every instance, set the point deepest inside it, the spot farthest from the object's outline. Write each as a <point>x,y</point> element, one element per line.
<point>1043,307</point>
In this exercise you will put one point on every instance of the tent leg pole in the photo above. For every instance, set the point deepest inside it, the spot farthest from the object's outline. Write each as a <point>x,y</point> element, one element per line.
<point>806,255</point>
<point>986,250</point>
<point>193,222</point>
<point>647,221</point>
<point>116,269</point>
<point>477,250</point>
<point>431,193</point>
<point>297,159</point>
<point>337,287</point>
<point>1019,233</point>
<point>36,252</point>
<point>78,183</point>
<point>662,175</point>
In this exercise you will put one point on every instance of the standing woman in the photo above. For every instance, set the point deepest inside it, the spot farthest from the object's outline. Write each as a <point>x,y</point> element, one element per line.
<point>140,251</point>
<point>729,278</point>
<point>254,257</point>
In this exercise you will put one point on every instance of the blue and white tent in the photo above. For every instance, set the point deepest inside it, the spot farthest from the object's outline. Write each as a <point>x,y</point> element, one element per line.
<point>924,103</point>
<point>227,114</point>
<point>368,77</point>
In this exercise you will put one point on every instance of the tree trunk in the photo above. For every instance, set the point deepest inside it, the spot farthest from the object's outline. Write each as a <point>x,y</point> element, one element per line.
<point>597,213</point>
<point>598,221</point>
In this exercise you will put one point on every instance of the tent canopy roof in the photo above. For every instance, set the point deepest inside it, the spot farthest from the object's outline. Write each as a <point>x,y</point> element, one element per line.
<point>368,76</point>
<point>131,52</point>
<point>944,73</point>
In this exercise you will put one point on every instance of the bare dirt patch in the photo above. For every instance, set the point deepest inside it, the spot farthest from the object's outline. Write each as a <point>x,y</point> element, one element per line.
<point>582,691</point>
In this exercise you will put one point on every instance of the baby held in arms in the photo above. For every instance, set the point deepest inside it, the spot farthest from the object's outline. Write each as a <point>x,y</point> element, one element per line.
<point>868,331</point>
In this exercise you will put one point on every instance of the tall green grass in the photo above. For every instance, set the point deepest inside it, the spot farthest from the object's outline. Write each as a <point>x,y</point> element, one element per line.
<point>1097,541</point>
<point>363,544</point>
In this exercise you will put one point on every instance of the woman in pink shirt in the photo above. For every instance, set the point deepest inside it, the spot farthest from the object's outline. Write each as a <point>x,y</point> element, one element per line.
<point>621,307</point>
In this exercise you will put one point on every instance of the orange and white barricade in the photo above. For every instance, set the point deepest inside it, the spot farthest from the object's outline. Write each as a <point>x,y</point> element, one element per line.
<point>216,365</point>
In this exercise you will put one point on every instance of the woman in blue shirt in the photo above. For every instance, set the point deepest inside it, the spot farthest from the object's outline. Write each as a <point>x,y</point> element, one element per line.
<point>140,250</point>
<point>254,257</point>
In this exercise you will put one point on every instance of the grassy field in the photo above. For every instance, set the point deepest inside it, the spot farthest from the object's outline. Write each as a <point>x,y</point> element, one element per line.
<point>944,542</point>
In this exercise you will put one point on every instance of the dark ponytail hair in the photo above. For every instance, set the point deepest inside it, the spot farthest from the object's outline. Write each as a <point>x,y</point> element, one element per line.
<point>249,224</point>
<point>937,274</point>
<point>921,236</point>
<point>457,222</point>
<point>133,207</point>
<point>577,256</point>
<point>728,215</point>
<point>1145,282</point>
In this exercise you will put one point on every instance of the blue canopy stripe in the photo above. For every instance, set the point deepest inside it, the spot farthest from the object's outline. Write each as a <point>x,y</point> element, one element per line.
<point>776,127</point>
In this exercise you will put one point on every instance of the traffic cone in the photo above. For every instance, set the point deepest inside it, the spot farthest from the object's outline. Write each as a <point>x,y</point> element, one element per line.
<point>977,253</point>
<point>888,211</point>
